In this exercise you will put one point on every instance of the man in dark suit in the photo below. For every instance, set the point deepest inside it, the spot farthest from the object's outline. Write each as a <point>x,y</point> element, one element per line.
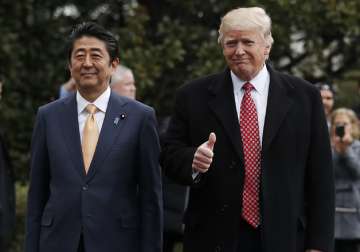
<point>253,144</point>
<point>95,178</point>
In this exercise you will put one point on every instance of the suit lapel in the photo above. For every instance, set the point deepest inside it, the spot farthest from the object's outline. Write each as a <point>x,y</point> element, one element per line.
<point>115,118</point>
<point>70,129</point>
<point>279,103</point>
<point>223,105</point>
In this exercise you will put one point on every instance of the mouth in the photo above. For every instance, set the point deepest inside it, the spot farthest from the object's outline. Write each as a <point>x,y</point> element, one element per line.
<point>86,74</point>
<point>240,61</point>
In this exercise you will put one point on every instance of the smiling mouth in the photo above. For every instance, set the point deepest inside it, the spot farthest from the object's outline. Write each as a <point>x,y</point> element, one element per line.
<point>88,74</point>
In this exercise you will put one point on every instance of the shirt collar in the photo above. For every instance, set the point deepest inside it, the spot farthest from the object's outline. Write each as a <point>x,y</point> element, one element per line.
<point>101,102</point>
<point>259,81</point>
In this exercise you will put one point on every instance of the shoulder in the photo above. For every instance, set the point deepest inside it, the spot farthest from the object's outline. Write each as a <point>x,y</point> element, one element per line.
<point>202,83</point>
<point>134,105</point>
<point>55,105</point>
<point>293,83</point>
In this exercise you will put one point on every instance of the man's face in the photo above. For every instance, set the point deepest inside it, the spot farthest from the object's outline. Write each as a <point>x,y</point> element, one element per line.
<point>90,65</point>
<point>327,100</point>
<point>126,86</point>
<point>245,52</point>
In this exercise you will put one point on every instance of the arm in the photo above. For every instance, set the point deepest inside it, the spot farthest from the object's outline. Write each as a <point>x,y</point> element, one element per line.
<point>319,183</point>
<point>352,159</point>
<point>39,185</point>
<point>348,158</point>
<point>177,153</point>
<point>150,186</point>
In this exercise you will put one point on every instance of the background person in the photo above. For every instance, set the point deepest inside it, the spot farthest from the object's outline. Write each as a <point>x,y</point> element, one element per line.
<point>346,157</point>
<point>67,88</point>
<point>123,82</point>
<point>328,99</point>
<point>7,193</point>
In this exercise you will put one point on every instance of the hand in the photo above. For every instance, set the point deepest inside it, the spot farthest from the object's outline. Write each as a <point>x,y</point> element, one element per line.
<point>204,155</point>
<point>340,145</point>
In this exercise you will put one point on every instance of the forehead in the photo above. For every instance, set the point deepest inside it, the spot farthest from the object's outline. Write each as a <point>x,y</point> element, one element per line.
<point>342,118</point>
<point>326,93</point>
<point>242,34</point>
<point>89,43</point>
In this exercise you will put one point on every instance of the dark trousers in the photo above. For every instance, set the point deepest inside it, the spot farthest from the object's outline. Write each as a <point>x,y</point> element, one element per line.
<point>249,238</point>
<point>81,244</point>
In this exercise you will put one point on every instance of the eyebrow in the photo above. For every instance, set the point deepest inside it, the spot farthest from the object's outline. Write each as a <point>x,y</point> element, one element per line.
<point>91,49</point>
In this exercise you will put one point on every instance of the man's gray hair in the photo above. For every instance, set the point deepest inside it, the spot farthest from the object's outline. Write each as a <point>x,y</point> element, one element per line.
<point>119,73</point>
<point>246,19</point>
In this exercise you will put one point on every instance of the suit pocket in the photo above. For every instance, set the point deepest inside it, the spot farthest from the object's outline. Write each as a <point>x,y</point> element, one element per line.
<point>131,221</point>
<point>47,220</point>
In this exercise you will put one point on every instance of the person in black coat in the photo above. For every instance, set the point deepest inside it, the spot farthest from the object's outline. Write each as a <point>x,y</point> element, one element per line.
<point>264,188</point>
<point>7,195</point>
<point>175,198</point>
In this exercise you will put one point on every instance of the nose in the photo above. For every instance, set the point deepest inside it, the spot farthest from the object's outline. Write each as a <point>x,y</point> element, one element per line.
<point>87,61</point>
<point>239,49</point>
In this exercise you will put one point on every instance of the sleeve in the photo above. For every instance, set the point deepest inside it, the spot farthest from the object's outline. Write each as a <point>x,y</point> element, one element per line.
<point>319,183</point>
<point>150,187</point>
<point>177,154</point>
<point>39,184</point>
<point>351,159</point>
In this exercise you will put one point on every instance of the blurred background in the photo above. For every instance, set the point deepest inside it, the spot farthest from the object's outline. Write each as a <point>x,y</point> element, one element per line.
<point>165,43</point>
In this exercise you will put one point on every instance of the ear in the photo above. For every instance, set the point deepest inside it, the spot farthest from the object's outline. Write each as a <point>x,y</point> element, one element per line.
<point>69,66</point>
<point>267,50</point>
<point>114,64</point>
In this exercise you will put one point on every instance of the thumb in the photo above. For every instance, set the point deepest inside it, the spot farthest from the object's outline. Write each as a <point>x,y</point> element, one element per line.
<point>211,141</point>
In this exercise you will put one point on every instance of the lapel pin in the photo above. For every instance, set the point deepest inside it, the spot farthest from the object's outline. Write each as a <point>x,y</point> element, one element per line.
<point>116,120</point>
<point>122,116</point>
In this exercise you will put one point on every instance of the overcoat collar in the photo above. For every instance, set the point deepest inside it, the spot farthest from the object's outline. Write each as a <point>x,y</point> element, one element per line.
<point>223,105</point>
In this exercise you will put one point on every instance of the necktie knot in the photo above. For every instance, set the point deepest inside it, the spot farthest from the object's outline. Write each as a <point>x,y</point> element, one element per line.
<point>248,87</point>
<point>91,109</point>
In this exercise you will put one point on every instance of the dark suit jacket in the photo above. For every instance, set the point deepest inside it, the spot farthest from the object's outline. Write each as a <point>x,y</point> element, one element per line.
<point>297,191</point>
<point>117,206</point>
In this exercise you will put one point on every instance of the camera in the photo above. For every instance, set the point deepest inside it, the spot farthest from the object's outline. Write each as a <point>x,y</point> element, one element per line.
<point>340,130</point>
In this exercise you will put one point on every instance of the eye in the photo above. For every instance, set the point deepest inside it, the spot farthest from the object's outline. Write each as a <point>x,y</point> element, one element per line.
<point>249,42</point>
<point>231,43</point>
<point>79,56</point>
<point>96,56</point>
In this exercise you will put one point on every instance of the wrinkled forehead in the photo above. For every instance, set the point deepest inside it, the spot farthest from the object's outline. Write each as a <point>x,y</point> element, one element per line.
<point>242,34</point>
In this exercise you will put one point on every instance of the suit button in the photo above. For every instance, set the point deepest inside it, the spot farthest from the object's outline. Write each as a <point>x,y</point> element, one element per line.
<point>223,208</point>
<point>85,187</point>
<point>232,165</point>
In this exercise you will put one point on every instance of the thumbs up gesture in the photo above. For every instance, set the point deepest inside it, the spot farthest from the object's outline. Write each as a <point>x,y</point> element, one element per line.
<point>204,155</point>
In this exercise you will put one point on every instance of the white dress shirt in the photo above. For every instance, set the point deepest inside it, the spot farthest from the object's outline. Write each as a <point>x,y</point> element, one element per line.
<point>101,103</point>
<point>259,94</point>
